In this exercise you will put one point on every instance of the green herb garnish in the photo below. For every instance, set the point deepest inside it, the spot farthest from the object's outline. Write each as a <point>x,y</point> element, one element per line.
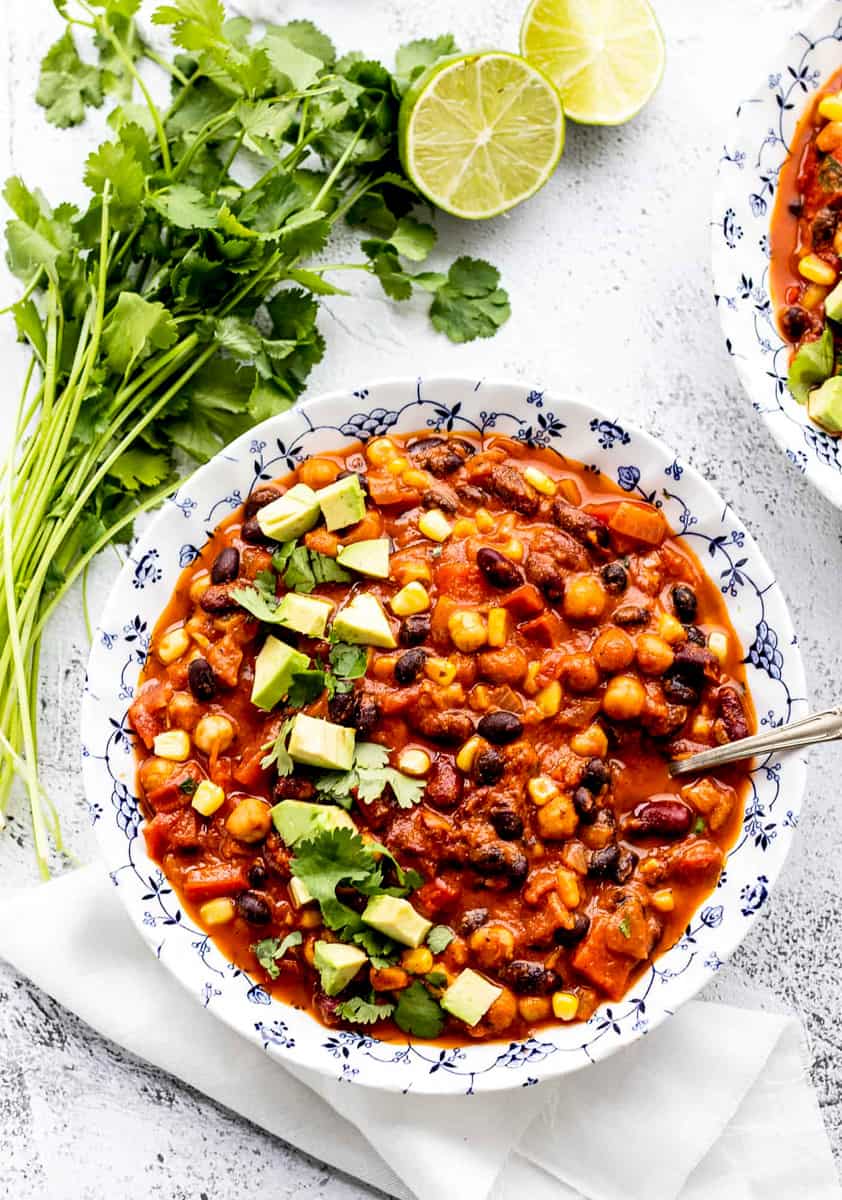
<point>368,778</point>
<point>188,786</point>
<point>812,365</point>
<point>439,938</point>
<point>270,951</point>
<point>624,927</point>
<point>364,1012</point>
<point>418,1013</point>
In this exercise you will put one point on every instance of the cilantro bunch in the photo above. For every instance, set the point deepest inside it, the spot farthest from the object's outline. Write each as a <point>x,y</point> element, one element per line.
<point>180,306</point>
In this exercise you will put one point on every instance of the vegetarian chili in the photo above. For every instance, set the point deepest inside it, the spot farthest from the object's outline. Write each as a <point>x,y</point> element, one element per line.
<point>403,736</point>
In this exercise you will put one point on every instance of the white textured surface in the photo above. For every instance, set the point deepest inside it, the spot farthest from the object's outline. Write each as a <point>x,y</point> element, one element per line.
<point>608,273</point>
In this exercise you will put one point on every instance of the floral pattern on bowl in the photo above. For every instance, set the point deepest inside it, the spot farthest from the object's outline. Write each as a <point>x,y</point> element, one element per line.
<point>756,148</point>
<point>642,467</point>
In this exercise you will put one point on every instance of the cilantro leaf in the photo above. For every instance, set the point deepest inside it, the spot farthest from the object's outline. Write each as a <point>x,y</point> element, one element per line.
<point>137,469</point>
<point>306,569</point>
<point>277,756</point>
<point>413,239</point>
<point>470,304</point>
<point>439,938</point>
<point>407,791</point>
<point>370,755</point>
<point>67,85</point>
<point>270,951</point>
<point>306,36</point>
<point>393,279</point>
<point>348,661</point>
<point>136,328</point>
<point>185,206</point>
<point>332,857</point>
<point>197,24</point>
<point>290,61</point>
<point>364,1012</point>
<point>369,777</point>
<point>116,164</point>
<point>258,603</point>
<point>414,57</point>
<point>306,686</point>
<point>417,1013</point>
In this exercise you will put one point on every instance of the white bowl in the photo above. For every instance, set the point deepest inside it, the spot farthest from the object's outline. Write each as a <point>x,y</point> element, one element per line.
<point>756,148</point>
<point>642,467</point>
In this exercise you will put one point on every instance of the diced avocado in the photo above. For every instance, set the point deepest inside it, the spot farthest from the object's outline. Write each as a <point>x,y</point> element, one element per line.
<point>370,557</point>
<point>291,515</point>
<point>337,964</point>
<point>299,893</point>
<point>343,502</point>
<point>824,405</point>
<point>397,919</point>
<point>298,820</point>
<point>364,623</point>
<point>319,743</point>
<point>304,614</point>
<point>469,997</point>
<point>274,668</point>
<point>833,303</point>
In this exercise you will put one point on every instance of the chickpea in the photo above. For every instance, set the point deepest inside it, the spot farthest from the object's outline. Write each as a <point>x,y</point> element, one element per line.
<point>250,821</point>
<point>580,672</point>
<point>502,1012</point>
<point>534,1008</point>
<point>183,711</point>
<point>624,698</point>
<point>317,472</point>
<point>456,954</point>
<point>492,945</point>
<point>388,979</point>
<point>557,818</point>
<point>214,733</point>
<point>590,743</point>
<point>467,630</point>
<point>155,772</point>
<point>584,598</point>
<point>417,962</point>
<point>654,655</point>
<point>613,650</point>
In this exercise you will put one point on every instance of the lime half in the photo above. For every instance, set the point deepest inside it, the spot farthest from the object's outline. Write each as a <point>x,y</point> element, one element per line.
<point>481,132</point>
<point>606,57</point>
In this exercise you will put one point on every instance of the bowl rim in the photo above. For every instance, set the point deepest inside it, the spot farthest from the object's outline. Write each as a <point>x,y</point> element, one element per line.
<point>430,1082</point>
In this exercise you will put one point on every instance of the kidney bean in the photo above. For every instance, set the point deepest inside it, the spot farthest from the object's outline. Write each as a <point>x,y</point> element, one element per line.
<point>596,775</point>
<point>469,494</point>
<point>530,978</point>
<point>445,785</point>
<point>251,532</point>
<point>822,229</point>
<point>253,908</point>
<point>580,525</point>
<point>631,614</point>
<point>545,573</point>
<point>258,874</point>
<point>438,455</point>
<point>217,599</point>
<point>680,689</point>
<point>615,577</point>
<point>663,817</point>
<point>585,805</point>
<point>472,920</point>
<point>226,565</point>
<point>414,630</point>
<point>507,823</point>
<point>500,727</point>
<point>449,726</point>
<point>513,490</point>
<point>572,937</point>
<point>603,863</point>
<point>685,603</point>
<point>693,659</point>
<point>732,714</point>
<point>489,767</point>
<point>408,665</point>
<point>201,678</point>
<point>439,498</point>
<point>500,571</point>
<point>259,498</point>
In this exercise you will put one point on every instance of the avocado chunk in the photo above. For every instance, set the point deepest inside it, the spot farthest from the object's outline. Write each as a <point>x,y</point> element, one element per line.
<point>318,743</point>
<point>299,893</point>
<point>370,557</point>
<point>298,820</point>
<point>337,964</point>
<point>833,303</point>
<point>291,515</point>
<point>364,623</point>
<point>343,502</point>
<point>274,668</point>
<point>469,997</point>
<point>824,405</point>
<point>397,919</point>
<point>304,614</point>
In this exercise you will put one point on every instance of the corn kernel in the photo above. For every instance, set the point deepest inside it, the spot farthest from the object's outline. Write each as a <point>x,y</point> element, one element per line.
<point>464,527</point>
<point>568,887</point>
<point>549,699</point>
<point>172,645</point>
<point>671,629</point>
<point>565,1005</point>
<point>816,270</point>
<point>414,478</point>
<point>383,667</point>
<point>499,627</point>
<point>435,525</point>
<point>440,670</point>
<point>814,293</point>
<point>417,962</point>
<point>381,451</point>
<point>480,698</point>
<point>718,645</point>
<point>830,107</point>
<point>663,900</point>
<point>411,599</point>
<point>590,743</point>
<point>513,549</point>
<point>542,789</point>
<point>397,466</point>
<point>199,586</point>
<point>414,762</point>
<point>173,745</point>
<point>217,912</point>
<point>532,672</point>
<point>485,521</point>
<point>466,756</point>
<point>207,798</point>
<point>830,136</point>
<point>540,481</point>
<point>467,630</point>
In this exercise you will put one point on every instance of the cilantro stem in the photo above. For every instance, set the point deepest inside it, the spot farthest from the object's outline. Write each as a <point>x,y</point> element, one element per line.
<point>338,166</point>
<point>85,610</point>
<point>106,30</point>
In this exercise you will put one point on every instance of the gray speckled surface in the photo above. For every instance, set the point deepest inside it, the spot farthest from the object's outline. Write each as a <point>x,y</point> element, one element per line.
<point>608,270</point>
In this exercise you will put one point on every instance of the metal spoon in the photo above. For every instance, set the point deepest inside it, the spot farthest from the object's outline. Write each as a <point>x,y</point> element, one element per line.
<point>819,727</point>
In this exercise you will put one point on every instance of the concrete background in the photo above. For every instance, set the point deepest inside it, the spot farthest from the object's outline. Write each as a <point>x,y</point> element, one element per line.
<point>610,285</point>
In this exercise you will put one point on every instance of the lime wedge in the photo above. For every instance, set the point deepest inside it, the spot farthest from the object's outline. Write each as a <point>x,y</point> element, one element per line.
<point>479,133</point>
<point>605,58</point>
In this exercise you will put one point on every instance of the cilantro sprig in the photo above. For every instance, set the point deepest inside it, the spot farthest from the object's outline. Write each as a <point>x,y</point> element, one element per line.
<point>368,779</point>
<point>364,1012</point>
<point>270,951</point>
<point>418,1013</point>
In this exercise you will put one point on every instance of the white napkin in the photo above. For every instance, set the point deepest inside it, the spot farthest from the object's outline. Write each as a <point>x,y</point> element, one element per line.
<point>714,1103</point>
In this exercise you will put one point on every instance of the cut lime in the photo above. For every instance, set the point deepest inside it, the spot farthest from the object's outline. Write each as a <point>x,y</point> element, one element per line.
<point>480,132</point>
<point>606,58</point>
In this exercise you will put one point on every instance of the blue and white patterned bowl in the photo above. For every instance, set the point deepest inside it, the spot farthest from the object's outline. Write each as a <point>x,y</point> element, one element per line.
<point>642,467</point>
<point>747,178</point>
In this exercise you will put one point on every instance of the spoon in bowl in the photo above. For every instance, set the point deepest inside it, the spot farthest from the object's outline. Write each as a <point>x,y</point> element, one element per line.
<point>818,727</point>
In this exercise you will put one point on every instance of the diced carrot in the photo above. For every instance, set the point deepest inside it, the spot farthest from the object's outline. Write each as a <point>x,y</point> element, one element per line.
<point>525,601</point>
<point>445,607</point>
<point>597,963</point>
<point>371,526</point>
<point>223,879</point>
<point>225,657</point>
<point>250,773</point>
<point>642,522</point>
<point>388,490</point>
<point>169,831</point>
<point>322,541</point>
<point>570,491</point>
<point>545,629</point>
<point>462,580</point>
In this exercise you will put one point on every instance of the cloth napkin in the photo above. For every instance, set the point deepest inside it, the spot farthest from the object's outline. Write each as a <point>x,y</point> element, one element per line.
<point>714,1103</point>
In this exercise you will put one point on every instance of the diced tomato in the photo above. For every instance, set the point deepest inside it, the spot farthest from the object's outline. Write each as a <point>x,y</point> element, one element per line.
<point>225,657</point>
<point>545,629</point>
<point>250,773</point>
<point>388,491</point>
<point>437,895</point>
<point>462,580</point>
<point>525,601</point>
<point>147,712</point>
<point>597,963</point>
<point>171,831</point>
<point>222,879</point>
<point>172,795</point>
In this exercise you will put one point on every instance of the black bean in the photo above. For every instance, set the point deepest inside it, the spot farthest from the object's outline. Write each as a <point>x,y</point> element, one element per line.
<point>530,978</point>
<point>472,920</point>
<point>603,862</point>
<point>626,864</point>
<point>366,714</point>
<point>201,678</point>
<point>500,571</point>
<point>258,874</point>
<point>680,689</point>
<point>823,228</point>
<point>685,603</point>
<point>414,630</point>
<point>596,776</point>
<point>226,565</point>
<point>408,666</point>
<point>341,708</point>
<point>500,858</point>
<point>489,767</point>
<point>572,937</point>
<point>696,636</point>
<point>253,908</point>
<point>259,498</point>
<point>507,823</point>
<point>794,322</point>
<point>796,208</point>
<point>585,805</point>
<point>631,614</point>
<point>500,727</point>
<point>217,599</point>
<point>518,869</point>
<point>251,532</point>
<point>615,577</point>
<point>438,455</point>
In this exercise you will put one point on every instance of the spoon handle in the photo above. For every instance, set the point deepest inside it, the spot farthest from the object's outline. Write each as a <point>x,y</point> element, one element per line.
<point>818,727</point>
